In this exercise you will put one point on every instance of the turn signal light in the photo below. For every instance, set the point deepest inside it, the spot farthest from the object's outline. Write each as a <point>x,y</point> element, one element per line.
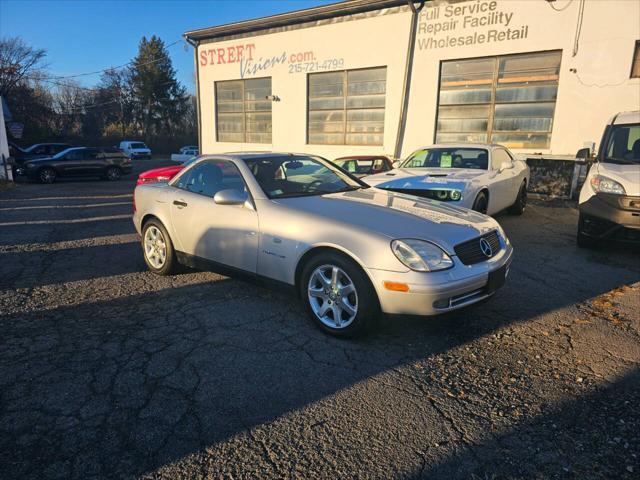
<point>396,287</point>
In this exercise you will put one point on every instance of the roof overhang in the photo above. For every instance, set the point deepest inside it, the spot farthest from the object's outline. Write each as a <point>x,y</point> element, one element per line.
<point>349,7</point>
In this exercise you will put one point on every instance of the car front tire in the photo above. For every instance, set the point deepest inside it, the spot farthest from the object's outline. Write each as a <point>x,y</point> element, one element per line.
<point>338,295</point>
<point>583,240</point>
<point>481,203</point>
<point>520,204</point>
<point>47,175</point>
<point>113,174</point>
<point>157,249</point>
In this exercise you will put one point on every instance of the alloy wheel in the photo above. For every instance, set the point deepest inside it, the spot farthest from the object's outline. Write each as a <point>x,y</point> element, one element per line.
<point>333,296</point>
<point>113,174</point>
<point>155,247</point>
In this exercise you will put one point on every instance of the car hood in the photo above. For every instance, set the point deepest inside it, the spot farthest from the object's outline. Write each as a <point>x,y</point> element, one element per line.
<point>625,174</point>
<point>396,215</point>
<point>162,172</point>
<point>424,178</point>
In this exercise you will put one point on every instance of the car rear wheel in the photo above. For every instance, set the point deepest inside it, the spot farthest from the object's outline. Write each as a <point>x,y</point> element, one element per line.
<point>47,175</point>
<point>338,295</point>
<point>481,203</point>
<point>157,248</point>
<point>113,174</point>
<point>521,201</point>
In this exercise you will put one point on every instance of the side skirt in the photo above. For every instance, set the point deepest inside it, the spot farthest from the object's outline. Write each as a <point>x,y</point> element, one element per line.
<point>199,263</point>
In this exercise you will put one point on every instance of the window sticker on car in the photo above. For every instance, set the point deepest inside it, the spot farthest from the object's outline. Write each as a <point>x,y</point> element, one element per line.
<point>445,161</point>
<point>276,192</point>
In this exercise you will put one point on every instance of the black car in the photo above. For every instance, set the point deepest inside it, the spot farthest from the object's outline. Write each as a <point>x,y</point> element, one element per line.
<point>104,162</point>
<point>38,150</point>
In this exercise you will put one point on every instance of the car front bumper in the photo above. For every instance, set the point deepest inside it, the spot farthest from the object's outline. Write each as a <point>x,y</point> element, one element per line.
<point>608,216</point>
<point>434,293</point>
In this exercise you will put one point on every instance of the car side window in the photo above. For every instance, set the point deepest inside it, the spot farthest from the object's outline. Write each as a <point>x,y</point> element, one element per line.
<point>499,157</point>
<point>91,153</point>
<point>210,177</point>
<point>74,155</point>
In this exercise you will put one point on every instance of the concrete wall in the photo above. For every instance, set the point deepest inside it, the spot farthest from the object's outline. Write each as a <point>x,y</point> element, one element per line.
<point>585,101</point>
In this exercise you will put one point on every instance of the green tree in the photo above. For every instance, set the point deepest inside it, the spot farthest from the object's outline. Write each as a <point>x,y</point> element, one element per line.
<point>160,101</point>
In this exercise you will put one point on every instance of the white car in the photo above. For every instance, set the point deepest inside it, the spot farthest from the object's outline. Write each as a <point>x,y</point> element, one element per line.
<point>135,149</point>
<point>185,155</point>
<point>481,177</point>
<point>609,201</point>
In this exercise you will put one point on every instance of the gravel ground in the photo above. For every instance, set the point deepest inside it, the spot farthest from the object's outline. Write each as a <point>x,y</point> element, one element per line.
<point>109,371</point>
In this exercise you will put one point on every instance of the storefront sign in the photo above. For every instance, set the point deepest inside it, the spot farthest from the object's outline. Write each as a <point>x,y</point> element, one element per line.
<point>253,65</point>
<point>456,25</point>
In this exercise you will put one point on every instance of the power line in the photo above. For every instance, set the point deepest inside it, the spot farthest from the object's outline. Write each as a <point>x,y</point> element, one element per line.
<point>60,77</point>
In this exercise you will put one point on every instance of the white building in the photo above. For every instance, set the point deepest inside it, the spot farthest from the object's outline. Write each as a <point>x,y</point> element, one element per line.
<point>538,76</point>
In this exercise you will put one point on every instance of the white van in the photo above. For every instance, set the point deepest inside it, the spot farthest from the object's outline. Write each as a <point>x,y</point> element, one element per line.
<point>135,149</point>
<point>609,201</point>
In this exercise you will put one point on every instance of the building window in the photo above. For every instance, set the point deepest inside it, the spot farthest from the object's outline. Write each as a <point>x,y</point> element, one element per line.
<point>243,112</point>
<point>508,100</point>
<point>347,107</point>
<point>635,64</point>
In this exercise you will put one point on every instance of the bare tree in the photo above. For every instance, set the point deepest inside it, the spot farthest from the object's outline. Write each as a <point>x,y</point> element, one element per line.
<point>18,62</point>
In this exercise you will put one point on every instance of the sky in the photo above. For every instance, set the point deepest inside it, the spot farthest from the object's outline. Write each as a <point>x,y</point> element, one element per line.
<point>88,35</point>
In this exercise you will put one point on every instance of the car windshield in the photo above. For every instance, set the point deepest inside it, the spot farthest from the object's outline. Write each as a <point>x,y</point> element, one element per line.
<point>138,145</point>
<point>298,176</point>
<point>449,157</point>
<point>624,144</point>
<point>355,165</point>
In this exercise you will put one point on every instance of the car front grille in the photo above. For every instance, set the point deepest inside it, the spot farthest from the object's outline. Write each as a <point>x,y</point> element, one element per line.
<point>423,193</point>
<point>471,252</point>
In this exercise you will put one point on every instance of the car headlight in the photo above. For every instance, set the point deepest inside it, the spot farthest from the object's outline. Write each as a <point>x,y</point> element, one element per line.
<point>601,184</point>
<point>420,255</point>
<point>502,234</point>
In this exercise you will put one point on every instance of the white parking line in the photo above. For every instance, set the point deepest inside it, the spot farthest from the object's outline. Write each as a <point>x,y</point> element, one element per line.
<point>68,244</point>
<point>75,220</point>
<point>90,205</point>
<point>38,199</point>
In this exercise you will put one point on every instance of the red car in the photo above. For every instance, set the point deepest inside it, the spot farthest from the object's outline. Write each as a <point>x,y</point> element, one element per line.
<point>163,174</point>
<point>363,165</point>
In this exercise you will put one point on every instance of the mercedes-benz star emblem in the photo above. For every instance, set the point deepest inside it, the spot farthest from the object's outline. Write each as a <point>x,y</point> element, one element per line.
<point>485,246</point>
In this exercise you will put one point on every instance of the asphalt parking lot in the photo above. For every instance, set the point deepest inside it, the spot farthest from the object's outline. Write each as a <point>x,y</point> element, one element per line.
<point>109,371</point>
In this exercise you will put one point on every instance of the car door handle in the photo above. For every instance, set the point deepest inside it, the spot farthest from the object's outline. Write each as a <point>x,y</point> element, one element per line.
<point>179,203</point>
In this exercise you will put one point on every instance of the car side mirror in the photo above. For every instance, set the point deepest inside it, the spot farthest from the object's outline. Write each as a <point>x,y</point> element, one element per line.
<point>582,155</point>
<point>506,166</point>
<point>230,197</point>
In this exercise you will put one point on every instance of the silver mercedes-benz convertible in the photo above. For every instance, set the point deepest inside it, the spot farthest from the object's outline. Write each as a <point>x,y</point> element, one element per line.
<point>350,251</point>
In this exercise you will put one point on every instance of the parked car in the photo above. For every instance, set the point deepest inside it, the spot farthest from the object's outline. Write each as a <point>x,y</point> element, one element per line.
<point>349,250</point>
<point>107,163</point>
<point>135,149</point>
<point>362,165</point>
<point>163,174</point>
<point>188,147</point>
<point>38,150</point>
<point>484,178</point>
<point>609,202</point>
<point>184,155</point>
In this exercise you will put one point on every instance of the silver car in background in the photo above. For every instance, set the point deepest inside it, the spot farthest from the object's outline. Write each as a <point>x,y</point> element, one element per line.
<point>350,251</point>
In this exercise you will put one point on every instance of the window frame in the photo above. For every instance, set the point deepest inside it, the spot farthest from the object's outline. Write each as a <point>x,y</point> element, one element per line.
<point>216,112</point>
<point>493,103</point>
<point>635,60</point>
<point>345,109</point>
<point>188,171</point>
